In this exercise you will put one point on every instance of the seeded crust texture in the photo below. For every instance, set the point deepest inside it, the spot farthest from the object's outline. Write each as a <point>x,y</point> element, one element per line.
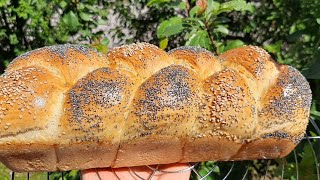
<point>68,107</point>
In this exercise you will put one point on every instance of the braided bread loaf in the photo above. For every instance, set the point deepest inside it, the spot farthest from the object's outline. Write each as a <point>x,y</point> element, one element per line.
<point>68,107</point>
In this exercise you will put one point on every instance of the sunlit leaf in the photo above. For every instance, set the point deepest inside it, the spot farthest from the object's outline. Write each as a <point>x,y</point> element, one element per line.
<point>163,43</point>
<point>85,16</point>
<point>233,44</point>
<point>182,5</point>
<point>236,5</point>
<point>212,8</point>
<point>105,41</point>
<point>6,63</point>
<point>71,20</point>
<point>154,2</point>
<point>102,22</point>
<point>63,4</point>
<point>170,27</point>
<point>13,39</point>
<point>200,39</point>
<point>86,33</point>
<point>222,29</point>
<point>92,8</point>
<point>100,47</point>
<point>315,113</point>
<point>273,48</point>
<point>194,11</point>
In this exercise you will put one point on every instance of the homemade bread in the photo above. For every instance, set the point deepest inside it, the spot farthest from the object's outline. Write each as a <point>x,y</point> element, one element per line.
<point>69,107</point>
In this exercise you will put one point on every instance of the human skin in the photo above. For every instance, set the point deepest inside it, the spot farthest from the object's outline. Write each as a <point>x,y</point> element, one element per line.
<point>142,171</point>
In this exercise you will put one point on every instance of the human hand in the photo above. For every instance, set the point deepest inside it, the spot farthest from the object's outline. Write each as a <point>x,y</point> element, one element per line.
<point>133,173</point>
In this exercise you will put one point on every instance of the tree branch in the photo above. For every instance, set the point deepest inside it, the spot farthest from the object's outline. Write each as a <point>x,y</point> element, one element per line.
<point>187,8</point>
<point>215,46</point>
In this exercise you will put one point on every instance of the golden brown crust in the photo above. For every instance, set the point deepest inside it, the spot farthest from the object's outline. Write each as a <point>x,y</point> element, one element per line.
<point>228,106</point>
<point>285,107</point>
<point>28,97</point>
<point>166,99</point>
<point>95,108</point>
<point>140,105</point>
<point>28,157</point>
<point>255,64</point>
<point>270,148</point>
<point>164,106</point>
<point>69,61</point>
<point>85,155</point>
<point>145,150</point>
<point>208,148</point>
<point>142,58</point>
<point>198,59</point>
<point>256,60</point>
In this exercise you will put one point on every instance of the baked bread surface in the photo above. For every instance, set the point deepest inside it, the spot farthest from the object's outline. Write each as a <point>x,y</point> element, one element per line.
<point>69,107</point>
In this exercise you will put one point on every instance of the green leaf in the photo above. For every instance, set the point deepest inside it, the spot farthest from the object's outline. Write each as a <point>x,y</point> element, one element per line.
<point>163,43</point>
<point>105,41</point>
<point>154,2</point>
<point>71,20</point>
<point>85,16</point>
<point>3,3</point>
<point>222,29</point>
<point>216,169</point>
<point>101,48</point>
<point>201,23</point>
<point>102,22</point>
<point>222,20</point>
<point>74,173</point>
<point>307,164</point>
<point>315,113</point>
<point>233,44</point>
<point>170,27</point>
<point>220,47</point>
<point>104,13</point>
<point>81,7</point>
<point>236,5</point>
<point>212,8</point>
<point>182,5</point>
<point>273,48</point>
<point>318,20</point>
<point>194,11</point>
<point>63,4</point>
<point>86,33</point>
<point>200,39</point>
<point>3,33</point>
<point>6,63</point>
<point>204,172</point>
<point>92,8</point>
<point>313,134</point>
<point>194,22</point>
<point>13,39</point>
<point>273,15</point>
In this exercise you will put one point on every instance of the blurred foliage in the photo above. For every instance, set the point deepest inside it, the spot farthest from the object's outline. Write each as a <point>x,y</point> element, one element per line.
<point>69,175</point>
<point>30,24</point>
<point>203,22</point>
<point>288,29</point>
